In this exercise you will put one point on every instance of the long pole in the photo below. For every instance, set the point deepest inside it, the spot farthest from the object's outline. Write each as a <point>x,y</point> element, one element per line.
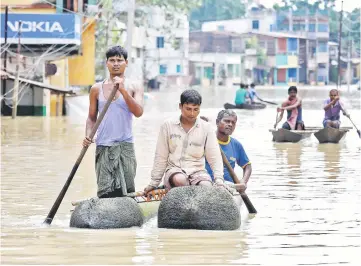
<point>62,193</point>
<point>16,83</point>
<point>5,42</point>
<point>339,49</point>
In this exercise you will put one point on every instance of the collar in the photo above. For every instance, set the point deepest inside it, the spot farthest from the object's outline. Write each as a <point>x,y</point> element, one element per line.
<point>177,121</point>
<point>225,142</point>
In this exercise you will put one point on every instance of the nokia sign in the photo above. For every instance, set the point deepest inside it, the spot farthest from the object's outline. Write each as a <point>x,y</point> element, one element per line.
<point>42,28</point>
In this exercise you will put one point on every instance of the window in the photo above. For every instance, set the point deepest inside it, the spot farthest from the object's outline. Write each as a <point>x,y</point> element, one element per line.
<point>292,45</point>
<point>322,47</point>
<point>220,27</point>
<point>322,28</point>
<point>292,73</point>
<point>311,27</point>
<point>179,69</point>
<point>255,24</point>
<point>138,52</point>
<point>160,42</point>
<point>163,69</point>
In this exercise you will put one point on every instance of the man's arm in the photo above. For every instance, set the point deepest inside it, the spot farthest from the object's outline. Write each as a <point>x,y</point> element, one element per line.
<point>327,106</point>
<point>134,99</point>
<point>344,111</point>
<point>213,156</point>
<point>160,158</point>
<point>247,171</point>
<point>243,161</point>
<point>293,106</point>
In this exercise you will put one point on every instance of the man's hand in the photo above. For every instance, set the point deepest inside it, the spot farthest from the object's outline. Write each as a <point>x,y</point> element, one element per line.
<point>220,184</point>
<point>241,187</point>
<point>87,141</point>
<point>120,82</point>
<point>279,109</point>
<point>148,189</point>
<point>336,99</point>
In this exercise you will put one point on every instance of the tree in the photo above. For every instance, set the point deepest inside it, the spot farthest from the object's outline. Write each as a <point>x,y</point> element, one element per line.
<point>213,10</point>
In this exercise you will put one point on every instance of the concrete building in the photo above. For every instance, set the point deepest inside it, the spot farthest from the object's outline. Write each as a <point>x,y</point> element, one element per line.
<point>310,35</point>
<point>51,32</point>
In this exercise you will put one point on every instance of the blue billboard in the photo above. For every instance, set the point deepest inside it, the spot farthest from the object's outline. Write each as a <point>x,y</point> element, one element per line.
<point>42,28</point>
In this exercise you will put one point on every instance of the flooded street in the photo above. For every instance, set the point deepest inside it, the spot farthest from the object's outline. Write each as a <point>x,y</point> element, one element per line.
<point>308,195</point>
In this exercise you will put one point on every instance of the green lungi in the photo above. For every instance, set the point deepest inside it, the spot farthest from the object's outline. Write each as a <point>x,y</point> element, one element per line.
<point>115,168</point>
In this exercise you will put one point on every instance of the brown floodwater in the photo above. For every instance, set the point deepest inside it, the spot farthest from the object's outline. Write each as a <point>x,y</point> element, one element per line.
<point>308,195</point>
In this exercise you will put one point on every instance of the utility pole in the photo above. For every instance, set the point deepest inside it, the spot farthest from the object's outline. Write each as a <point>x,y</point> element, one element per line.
<point>3,85</point>
<point>349,62</point>
<point>339,50</point>
<point>107,28</point>
<point>130,26</point>
<point>16,83</point>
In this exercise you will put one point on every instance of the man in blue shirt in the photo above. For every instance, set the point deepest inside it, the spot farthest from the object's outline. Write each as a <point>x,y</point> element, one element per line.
<point>232,148</point>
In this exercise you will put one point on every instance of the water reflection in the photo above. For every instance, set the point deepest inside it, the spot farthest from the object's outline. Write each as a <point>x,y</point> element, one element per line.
<point>331,153</point>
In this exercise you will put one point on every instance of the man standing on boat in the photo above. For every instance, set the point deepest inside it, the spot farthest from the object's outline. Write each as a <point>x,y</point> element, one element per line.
<point>332,107</point>
<point>115,160</point>
<point>183,144</point>
<point>293,106</point>
<point>232,148</point>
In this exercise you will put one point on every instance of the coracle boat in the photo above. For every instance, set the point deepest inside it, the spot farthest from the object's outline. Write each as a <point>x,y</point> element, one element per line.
<point>246,106</point>
<point>115,217</point>
<point>330,135</point>
<point>284,135</point>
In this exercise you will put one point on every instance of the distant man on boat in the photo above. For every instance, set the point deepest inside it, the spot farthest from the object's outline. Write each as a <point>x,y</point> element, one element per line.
<point>332,107</point>
<point>293,106</point>
<point>115,160</point>
<point>183,144</point>
<point>253,94</point>
<point>232,148</point>
<point>241,94</point>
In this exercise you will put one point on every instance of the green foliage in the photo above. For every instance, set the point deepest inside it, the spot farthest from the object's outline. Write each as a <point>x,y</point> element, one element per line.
<point>213,10</point>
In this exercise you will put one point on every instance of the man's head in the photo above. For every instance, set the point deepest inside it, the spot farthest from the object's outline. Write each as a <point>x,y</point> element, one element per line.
<point>246,86</point>
<point>252,85</point>
<point>292,92</point>
<point>226,122</point>
<point>190,104</point>
<point>241,86</point>
<point>333,94</point>
<point>116,60</point>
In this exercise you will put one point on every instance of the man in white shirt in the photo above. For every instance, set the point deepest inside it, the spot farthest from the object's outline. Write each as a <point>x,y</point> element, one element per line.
<point>183,145</point>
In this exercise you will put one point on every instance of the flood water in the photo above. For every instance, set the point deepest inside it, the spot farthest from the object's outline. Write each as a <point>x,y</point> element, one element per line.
<point>308,195</point>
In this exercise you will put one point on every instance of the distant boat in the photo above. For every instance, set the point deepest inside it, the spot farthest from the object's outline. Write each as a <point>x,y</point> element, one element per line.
<point>246,106</point>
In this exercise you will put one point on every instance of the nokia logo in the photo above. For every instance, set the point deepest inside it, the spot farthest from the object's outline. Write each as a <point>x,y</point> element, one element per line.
<point>33,26</point>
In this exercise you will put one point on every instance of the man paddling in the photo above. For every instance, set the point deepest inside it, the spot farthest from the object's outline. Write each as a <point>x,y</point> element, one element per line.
<point>183,144</point>
<point>332,107</point>
<point>232,148</point>
<point>252,93</point>
<point>293,106</point>
<point>115,160</point>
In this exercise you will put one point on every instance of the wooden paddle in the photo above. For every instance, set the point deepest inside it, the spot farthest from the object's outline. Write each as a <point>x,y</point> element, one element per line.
<point>246,200</point>
<point>267,101</point>
<point>58,201</point>
<point>357,130</point>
